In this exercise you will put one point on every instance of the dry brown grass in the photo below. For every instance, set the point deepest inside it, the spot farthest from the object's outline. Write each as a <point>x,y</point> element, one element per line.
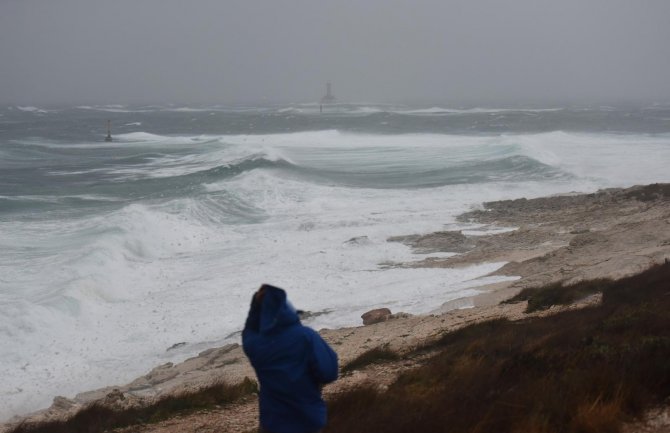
<point>542,298</point>
<point>375,355</point>
<point>98,418</point>
<point>582,371</point>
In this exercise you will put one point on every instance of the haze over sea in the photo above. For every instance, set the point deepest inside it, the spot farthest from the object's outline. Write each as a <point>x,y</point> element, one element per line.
<point>111,253</point>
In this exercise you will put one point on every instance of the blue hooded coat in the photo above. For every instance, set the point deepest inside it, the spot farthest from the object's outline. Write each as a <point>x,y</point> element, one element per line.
<point>291,361</point>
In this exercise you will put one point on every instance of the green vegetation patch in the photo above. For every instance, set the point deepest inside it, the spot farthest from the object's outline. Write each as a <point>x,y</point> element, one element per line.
<point>580,371</point>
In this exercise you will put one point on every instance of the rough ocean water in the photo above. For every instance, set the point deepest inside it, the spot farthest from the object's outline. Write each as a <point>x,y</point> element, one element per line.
<point>110,253</point>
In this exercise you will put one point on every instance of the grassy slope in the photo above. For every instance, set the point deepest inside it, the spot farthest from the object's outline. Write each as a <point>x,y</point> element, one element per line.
<point>580,371</point>
<point>542,298</point>
<point>98,418</point>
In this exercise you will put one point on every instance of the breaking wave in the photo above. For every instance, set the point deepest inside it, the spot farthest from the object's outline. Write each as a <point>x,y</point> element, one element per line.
<point>112,252</point>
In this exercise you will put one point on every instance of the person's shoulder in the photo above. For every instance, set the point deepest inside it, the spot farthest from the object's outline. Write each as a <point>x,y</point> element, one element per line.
<point>310,333</point>
<point>306,328</point>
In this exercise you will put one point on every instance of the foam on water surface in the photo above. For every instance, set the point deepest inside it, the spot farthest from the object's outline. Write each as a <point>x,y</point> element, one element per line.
<point>188,226</point>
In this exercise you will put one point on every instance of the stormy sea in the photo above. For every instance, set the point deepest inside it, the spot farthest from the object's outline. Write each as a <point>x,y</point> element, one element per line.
<point>111,253</point>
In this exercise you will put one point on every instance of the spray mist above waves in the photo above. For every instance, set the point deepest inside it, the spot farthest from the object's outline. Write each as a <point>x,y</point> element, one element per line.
<point>113,252</point>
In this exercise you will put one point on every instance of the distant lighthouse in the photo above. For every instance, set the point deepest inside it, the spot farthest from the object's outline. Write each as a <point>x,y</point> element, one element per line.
<point>328,98</point>
<point>109,131</point>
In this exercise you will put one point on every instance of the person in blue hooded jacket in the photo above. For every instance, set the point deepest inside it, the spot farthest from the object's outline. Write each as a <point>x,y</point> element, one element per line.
<point>291,361</point>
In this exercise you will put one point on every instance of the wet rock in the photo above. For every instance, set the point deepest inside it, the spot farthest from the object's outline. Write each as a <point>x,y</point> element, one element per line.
<point>61,403</point>
<point>218,351</point>
<point>407,239</point>
<point>358,240</point>
<point>206,353</point>
<point>376,316</point>
<point>114,398</point>
<point>176,345</point>
<point>445,241</point>
<point>234,334</point>
<point>304,315</point>
<point>161,374</point>
<point>139,384</point>
<point>215,358</point>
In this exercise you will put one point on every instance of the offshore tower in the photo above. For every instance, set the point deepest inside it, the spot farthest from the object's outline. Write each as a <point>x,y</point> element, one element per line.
<point>328,98</point>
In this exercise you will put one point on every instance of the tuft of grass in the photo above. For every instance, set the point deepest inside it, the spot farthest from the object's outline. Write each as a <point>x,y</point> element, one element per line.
<point>373,356</point>
<point>542,298</point>
<point>580,371</point>
<point>98,418</point>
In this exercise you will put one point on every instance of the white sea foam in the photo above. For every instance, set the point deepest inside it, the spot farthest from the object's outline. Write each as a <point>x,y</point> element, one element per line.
<point>180,280</point>
<point>365,109</point>
<point>30,109</point>
<point>97,300</point>
<point>114,108</point>
<point>458,111</point>
<point>189,109</point>
<point>308,109</point>
<point>141,137</point>
<point>607,160</point>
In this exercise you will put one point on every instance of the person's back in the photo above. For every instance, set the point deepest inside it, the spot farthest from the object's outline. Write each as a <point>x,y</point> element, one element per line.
<point>291,361</point>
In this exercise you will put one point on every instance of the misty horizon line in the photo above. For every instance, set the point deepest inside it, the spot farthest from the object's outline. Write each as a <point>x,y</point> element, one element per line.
<point>437,102</point>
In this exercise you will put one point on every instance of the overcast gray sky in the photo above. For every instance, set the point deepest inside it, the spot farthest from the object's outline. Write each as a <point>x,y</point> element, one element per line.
<point>229,51</point>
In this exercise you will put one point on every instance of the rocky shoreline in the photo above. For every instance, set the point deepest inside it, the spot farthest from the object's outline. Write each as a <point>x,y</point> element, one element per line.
<point>608,234</point>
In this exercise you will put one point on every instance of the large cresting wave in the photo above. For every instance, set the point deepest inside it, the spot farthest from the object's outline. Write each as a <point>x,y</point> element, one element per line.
<point>110,253</point>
